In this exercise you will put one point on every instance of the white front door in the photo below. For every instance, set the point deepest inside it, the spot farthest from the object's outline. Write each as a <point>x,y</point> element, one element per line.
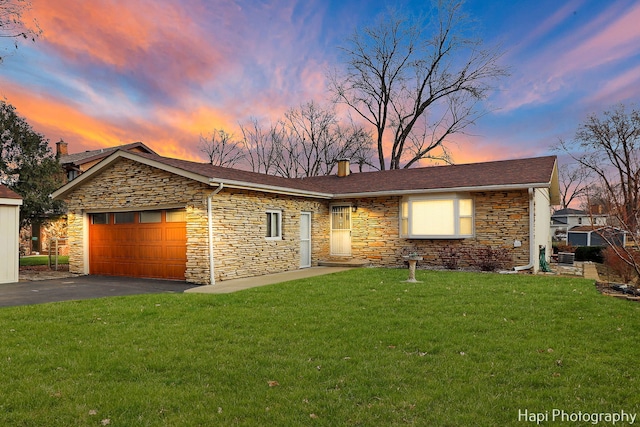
<point>305,239</point>
<point>341,230</point>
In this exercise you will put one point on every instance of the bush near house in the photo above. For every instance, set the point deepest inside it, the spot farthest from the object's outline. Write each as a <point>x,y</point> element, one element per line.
<point>619,266</point>
<point>483,258</point>
<point>589,253</point>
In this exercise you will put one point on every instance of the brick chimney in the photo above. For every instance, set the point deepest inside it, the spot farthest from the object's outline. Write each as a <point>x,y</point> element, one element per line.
<point>62,148</point>
<point>343,168</point>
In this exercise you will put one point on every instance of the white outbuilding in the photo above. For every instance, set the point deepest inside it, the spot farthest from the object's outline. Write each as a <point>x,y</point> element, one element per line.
<point>10,203</point>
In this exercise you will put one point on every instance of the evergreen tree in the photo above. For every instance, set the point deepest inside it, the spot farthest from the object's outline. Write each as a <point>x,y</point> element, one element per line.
<point>28,166</point>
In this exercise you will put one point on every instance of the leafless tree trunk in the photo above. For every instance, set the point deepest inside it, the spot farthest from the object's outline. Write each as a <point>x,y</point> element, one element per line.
<point>308,141</point>
<point>416,84</point>
<point>575,181</point>
<point>221,149</point>
<point>260,146</point>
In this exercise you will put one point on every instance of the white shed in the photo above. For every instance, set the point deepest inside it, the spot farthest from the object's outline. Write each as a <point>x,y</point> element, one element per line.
<point>9,235</point>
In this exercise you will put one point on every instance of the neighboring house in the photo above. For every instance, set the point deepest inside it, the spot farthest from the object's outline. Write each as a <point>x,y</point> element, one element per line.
<point>596,235</point>
<point>77,163</point>
<point>10,203</point>
<point>564,220</point>
<point>149,216</point>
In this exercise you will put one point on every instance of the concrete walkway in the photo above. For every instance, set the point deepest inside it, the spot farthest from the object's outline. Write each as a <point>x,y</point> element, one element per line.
<point>590,271</point>
<point>228,286</point>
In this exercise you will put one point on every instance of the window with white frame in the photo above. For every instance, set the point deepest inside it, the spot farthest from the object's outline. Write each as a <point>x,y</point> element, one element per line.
<point>274,225</point>
<point>447,216</point>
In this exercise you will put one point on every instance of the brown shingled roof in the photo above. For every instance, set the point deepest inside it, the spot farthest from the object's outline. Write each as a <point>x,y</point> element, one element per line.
<point>91,155</point>
<point>521,172</point>
<point>7,193</point>
<point>503,173</point>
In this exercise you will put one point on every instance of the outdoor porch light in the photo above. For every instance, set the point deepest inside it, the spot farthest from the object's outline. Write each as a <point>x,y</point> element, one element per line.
<point>354,208</point>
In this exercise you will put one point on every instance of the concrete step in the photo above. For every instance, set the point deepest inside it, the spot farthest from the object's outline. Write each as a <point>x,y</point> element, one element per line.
<point>354,263</point>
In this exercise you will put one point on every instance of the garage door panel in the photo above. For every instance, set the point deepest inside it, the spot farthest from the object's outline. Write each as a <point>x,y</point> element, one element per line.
<point>155,250</point>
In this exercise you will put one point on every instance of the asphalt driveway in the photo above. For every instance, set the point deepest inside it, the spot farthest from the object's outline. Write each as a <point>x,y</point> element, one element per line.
<point>83,287</point>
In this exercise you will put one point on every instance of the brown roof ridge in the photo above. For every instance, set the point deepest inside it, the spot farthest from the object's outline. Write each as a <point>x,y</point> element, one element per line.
<point>89,155</point>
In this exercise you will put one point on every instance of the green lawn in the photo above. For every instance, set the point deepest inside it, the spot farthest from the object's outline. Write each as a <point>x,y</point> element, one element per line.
<point>355,348</point>
<point>42,260</point>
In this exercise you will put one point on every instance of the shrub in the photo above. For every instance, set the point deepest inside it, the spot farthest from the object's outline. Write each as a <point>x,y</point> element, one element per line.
<point>487,258</point>
<point>618,265</point>
<point>450,255</point>
<point>589,253</point>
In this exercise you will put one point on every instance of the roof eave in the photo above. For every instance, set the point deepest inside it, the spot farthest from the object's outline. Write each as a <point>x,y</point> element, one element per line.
<point>10,201</point>
<point>468,189</point>
<point>269,188</point>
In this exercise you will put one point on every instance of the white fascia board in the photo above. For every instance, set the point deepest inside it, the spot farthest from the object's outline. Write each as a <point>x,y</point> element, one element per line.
<point>441,190</point>
<point>269,188</point>
<point>10,202</point>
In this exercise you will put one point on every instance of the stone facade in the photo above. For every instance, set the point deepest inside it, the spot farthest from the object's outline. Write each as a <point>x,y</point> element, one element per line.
<point>501,219</point>
<point>239,223</point>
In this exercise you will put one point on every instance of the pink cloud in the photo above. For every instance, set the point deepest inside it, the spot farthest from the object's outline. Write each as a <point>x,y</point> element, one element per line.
<point>617,40</point>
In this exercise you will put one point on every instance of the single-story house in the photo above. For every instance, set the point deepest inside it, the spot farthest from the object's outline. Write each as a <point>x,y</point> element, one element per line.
<point>10,203</point>
<point>594,235</point>
<point>137,214</point>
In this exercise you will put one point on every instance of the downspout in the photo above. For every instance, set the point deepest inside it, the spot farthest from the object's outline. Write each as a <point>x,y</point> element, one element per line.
<point>532,243</point>
<point>212,279</point>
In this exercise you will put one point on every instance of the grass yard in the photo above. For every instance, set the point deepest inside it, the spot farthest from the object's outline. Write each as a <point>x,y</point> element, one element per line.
<point>30,261</point>
<point>358,348</point>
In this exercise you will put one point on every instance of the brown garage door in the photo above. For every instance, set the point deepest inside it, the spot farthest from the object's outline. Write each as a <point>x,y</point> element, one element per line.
<point>139,244</point>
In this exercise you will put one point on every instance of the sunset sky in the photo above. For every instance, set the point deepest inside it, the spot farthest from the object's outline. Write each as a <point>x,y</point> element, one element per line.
<point>111,72</point>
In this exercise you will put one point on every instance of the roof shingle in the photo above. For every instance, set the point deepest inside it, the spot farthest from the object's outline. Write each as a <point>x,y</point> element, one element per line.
<point>503,173</point>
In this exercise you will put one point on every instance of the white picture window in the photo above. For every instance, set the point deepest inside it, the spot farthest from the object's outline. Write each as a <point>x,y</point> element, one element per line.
<point>274,225</point>
<point>437,217</point>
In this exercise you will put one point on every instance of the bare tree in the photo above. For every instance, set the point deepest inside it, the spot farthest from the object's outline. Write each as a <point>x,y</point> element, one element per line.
<point>609,146</point>
<point>308,141</point>
<point>260,146</point>
<point>416,84</point>
<point>221,149</point>
<point>12,25</point>
<point>575,181</point>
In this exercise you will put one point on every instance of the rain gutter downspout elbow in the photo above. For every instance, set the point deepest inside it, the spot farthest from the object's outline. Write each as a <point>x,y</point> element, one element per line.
<point>532,242</point>
<point>212,279</point>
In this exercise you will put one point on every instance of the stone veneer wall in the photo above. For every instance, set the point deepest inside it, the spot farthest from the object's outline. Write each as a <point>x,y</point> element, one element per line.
<point>239,221</point>
<point>501,218</point>
<point>241,249</point>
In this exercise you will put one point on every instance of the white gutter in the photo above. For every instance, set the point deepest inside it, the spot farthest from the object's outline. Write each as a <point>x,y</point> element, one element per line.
<point>532,243</point>
<point>212,279</point>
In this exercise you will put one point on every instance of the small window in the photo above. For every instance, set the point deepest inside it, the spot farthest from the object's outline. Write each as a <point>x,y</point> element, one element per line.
<point>147,217</point>
<point>274,225</point>
<point>177,215</point>
<point>100,218</point>
<point>124,217</point>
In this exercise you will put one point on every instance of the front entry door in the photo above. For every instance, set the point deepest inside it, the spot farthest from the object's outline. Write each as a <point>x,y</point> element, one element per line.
<point>305,239</point>
<point>341,230</point>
